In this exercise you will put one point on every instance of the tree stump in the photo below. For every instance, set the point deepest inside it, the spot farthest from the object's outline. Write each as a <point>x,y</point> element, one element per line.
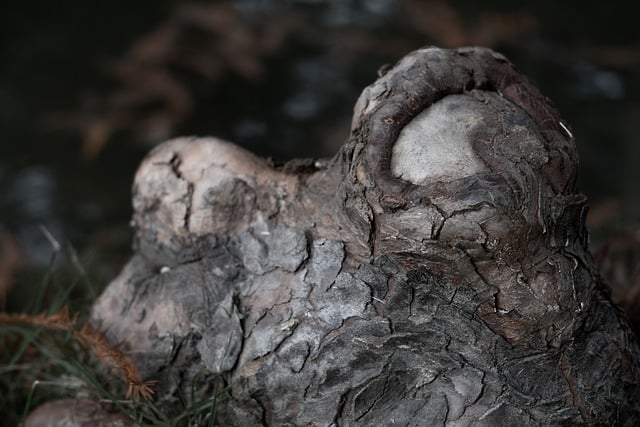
<point>435,271</point>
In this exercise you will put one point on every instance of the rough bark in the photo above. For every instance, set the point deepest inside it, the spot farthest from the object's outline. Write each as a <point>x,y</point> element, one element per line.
<point>435,271</point>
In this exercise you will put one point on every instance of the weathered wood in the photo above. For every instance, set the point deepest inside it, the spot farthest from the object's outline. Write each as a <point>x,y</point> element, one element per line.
<point>435,271</point>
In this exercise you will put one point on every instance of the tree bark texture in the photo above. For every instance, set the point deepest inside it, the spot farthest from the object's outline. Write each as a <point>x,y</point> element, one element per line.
<point>434,272</point>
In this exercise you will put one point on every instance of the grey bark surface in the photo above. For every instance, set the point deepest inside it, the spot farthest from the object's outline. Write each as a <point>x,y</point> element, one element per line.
<point>434,272</point>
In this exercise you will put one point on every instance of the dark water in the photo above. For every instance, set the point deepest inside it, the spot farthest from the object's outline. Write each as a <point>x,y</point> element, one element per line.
<point>279,78</point>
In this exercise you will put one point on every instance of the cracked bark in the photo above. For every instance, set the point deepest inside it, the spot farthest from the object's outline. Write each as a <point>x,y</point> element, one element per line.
<point>435,271</point>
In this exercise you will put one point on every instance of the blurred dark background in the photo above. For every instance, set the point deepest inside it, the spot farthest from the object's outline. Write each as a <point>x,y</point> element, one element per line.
<point>87,88</point>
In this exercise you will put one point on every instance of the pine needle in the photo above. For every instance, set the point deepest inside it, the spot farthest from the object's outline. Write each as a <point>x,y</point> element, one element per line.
<point>92,340</point>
